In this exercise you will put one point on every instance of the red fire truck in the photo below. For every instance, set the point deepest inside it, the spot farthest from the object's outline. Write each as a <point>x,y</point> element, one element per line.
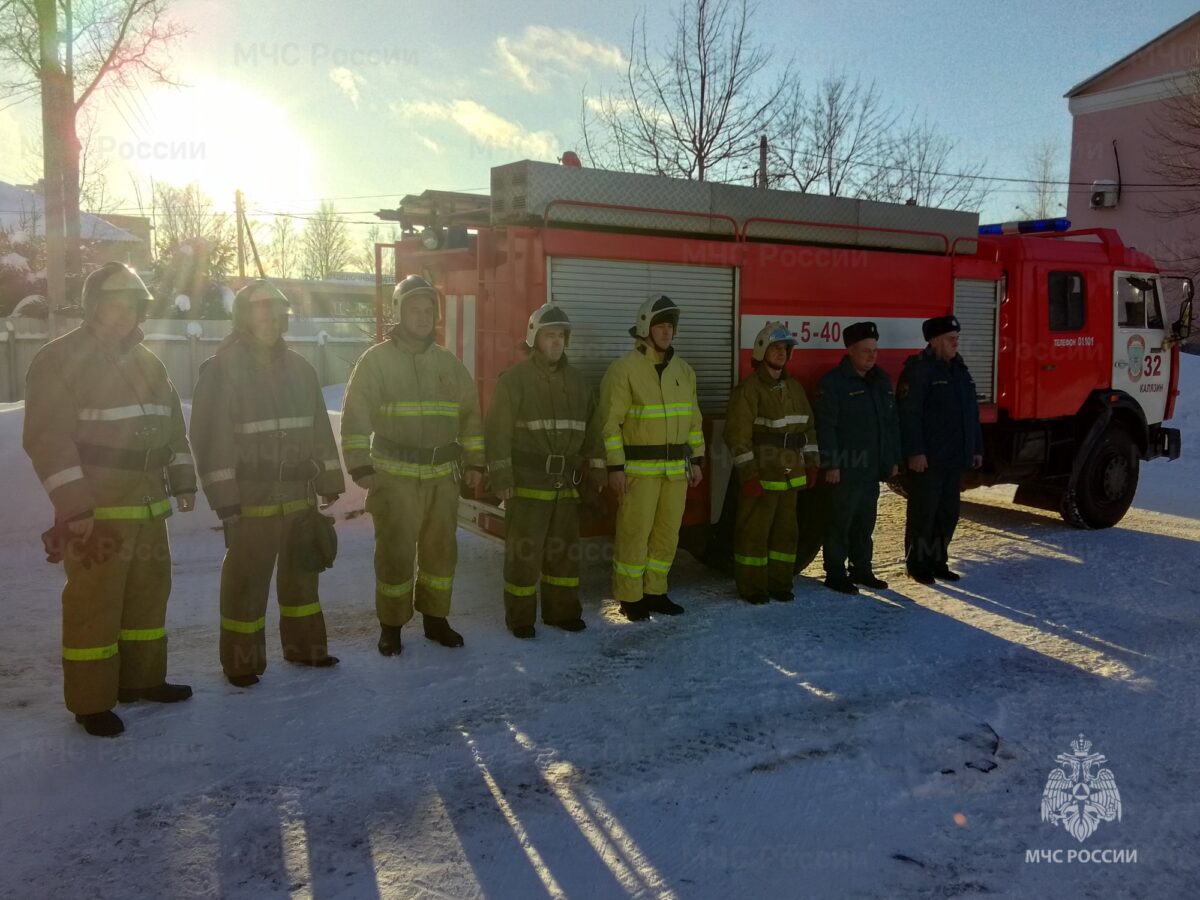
<point>1063,331</point>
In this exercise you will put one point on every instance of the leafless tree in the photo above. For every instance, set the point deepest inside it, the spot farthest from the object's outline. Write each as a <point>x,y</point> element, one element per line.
<point>833,140</point>
<point>326,243</point>
<point>111,43</point>
<point>283,251</point>
<point>94,193</point>
<point>364,260</point>
<point>691,109</point>
<point>1045,200</point>
<point>186,220</point>
<point>920,166</point>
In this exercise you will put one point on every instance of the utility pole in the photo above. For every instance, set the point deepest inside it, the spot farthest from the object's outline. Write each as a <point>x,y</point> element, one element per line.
<point>52,156</point>
<point>71,150</point>
<point>241,243</point>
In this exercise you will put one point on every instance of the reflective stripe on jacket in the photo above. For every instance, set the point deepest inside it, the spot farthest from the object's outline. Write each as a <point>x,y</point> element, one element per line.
<point>88,405</point>
<point>762,411</point>
<point>640,407</point>
<point>540,410</point>
<point>413,396</point>
<point>254,413</point>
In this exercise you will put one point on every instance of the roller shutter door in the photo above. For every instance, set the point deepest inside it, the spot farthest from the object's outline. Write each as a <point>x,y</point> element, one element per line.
<point>602,297</point>
<point>975,306</point>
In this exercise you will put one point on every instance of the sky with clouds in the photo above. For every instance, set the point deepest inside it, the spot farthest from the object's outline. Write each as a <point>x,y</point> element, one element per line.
<point>363,102</point>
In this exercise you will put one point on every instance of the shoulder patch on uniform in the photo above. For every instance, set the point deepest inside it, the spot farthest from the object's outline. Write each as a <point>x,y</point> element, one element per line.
<point>902,391</point>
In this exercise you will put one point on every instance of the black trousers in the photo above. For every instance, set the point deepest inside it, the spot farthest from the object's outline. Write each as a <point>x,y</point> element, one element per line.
<point>932,517</point>
<point>851,525</point>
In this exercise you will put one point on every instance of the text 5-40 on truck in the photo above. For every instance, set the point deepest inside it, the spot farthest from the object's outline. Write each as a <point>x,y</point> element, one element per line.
<point>1075,367</point>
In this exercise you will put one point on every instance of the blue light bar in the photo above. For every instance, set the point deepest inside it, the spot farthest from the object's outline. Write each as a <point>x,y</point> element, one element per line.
<point>1027,226</point>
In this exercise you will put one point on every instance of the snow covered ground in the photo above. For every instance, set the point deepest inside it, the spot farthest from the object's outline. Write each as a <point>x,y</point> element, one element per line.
<point>890,745</point>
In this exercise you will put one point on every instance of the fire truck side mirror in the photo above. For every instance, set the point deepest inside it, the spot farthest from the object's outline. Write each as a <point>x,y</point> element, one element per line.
<point>1183,325</point>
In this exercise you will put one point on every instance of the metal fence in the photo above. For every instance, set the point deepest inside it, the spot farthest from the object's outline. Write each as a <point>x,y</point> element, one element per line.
<point>331,345</point>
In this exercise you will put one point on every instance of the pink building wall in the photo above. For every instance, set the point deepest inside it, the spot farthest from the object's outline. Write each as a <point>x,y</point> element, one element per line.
<point>1122,104</point>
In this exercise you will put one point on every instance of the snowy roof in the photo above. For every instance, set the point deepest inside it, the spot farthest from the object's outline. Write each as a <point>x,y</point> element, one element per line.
<point>18,205</point>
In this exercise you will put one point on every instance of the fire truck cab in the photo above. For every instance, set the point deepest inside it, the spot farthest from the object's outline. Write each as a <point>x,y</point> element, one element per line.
<point>1075,367</point>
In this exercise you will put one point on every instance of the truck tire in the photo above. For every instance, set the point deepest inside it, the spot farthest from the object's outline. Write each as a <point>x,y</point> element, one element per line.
<point>1107,481</point>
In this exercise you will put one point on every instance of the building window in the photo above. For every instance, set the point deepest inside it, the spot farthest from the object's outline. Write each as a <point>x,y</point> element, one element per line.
<point>1066,301</point>
<point>1137,302</point>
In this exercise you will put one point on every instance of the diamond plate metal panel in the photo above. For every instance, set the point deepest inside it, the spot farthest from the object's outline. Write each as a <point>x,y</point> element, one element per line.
<point>523,191</point>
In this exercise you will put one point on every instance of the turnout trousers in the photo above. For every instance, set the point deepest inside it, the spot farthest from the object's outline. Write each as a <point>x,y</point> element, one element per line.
<point>851,526</point>
<point>541,548</point>
<point>647,535</point>
<point>764,547</point>
<point>114,618</point>
<point>416,545</point>
<point>932,516</point>
<point>258,547</point>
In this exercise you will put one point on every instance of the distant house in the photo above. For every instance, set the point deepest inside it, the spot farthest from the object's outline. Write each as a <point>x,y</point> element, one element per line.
<point>21,210</point>
<point>1113,146</point>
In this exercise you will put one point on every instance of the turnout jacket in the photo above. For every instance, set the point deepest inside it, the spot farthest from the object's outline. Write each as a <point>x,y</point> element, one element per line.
<point>261,431</point>
<point>858,427</point>
<point>650,414</point>
<point>404,401</point>
<point>543,430</point>
<point>770,431</point>
<point>939,412</point>
<point>105,430</point>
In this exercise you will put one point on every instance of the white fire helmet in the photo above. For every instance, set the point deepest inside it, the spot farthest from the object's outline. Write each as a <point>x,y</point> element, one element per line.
<point>548,315</point>
<point>411,287</point>
<point>772,333</point>
<point>655,310</point>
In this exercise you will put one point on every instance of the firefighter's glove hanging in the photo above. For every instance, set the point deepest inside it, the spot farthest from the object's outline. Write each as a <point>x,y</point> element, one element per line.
<point>102,545</point>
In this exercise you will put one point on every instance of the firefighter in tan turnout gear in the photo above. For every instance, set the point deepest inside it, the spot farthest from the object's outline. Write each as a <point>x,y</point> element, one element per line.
<point>770,432</point>
<point>106,434</point>
<point>264,450</point>
<point>543,449</point>
<point>654,445</point>
<point>410,425</point>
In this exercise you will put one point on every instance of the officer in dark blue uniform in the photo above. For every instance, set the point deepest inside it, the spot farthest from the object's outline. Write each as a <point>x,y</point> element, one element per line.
<point>940,437</point>
<point>859,435</point>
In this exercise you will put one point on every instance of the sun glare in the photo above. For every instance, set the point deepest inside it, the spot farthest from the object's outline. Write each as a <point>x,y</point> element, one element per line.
<point>221,136</point>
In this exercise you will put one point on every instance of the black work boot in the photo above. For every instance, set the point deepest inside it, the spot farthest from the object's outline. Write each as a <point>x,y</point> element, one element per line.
<point>101,724</point>
<point>840,583</point>
<point>242,681</point>
<point>758,599</point>
<point>637,611</point>
<point>389,640</point>
<point>325,662</point>
<point>661,603</point>
<point>945,574</point>
<point>438,629</point>
<point>783,596</point>
<point>524,632</point>
<point>920,577</point>
<point>569,624</point>
<point>869,580</point>
<point>161,693</point>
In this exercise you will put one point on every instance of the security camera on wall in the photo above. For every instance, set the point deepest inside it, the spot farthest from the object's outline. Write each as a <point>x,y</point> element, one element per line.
<point>1104,194</point>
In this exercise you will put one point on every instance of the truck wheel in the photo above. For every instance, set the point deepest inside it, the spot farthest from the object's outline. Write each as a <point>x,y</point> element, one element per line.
<point>1106,485</point>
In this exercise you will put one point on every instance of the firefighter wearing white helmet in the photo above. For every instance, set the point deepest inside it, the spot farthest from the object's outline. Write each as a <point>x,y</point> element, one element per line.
<point>410,428</point>
<point>654,445</point>
<point>106,434</point>
<point>771,434</point>
<point>264,450</point>
<point>544,450</point>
